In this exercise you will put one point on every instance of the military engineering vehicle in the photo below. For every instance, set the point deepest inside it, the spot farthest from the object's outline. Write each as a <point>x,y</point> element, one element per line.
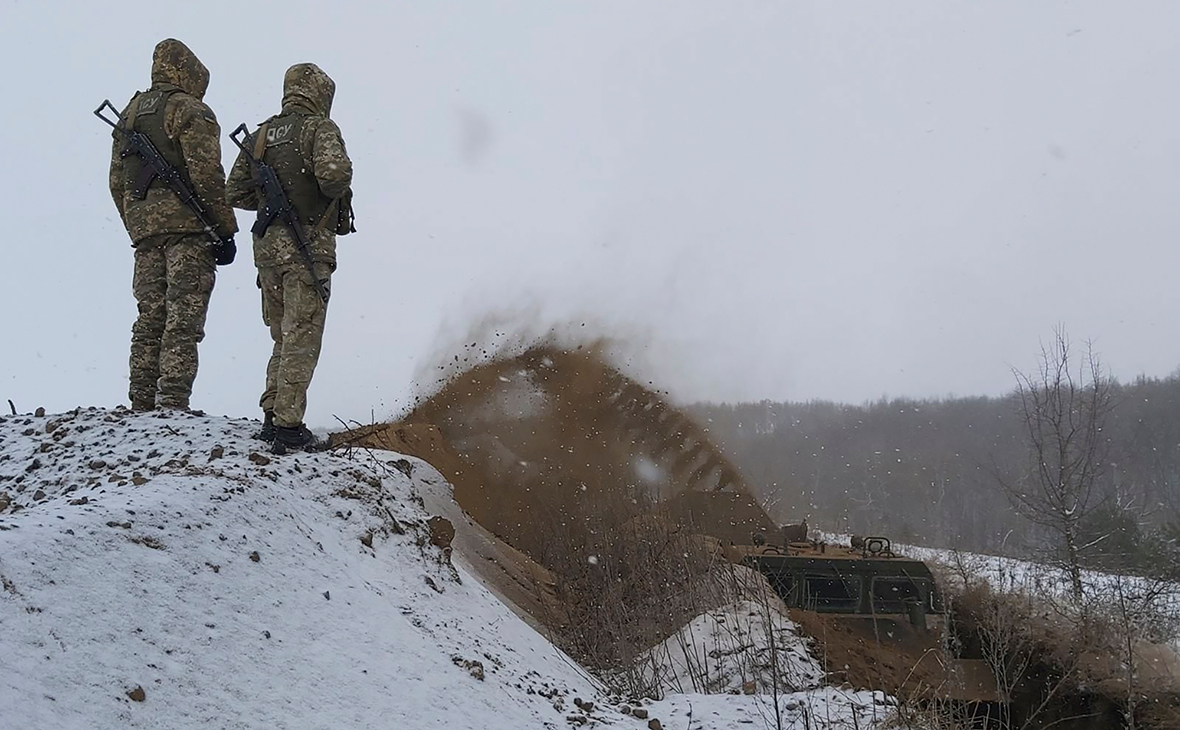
<point>869,582</point>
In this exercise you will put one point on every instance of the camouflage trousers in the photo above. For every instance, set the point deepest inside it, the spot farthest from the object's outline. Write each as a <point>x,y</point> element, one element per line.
<point>295,314</point>
<point>173,279</point>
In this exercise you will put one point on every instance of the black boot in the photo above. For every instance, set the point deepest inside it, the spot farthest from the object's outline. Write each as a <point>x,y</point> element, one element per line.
<point>267,432</point>
<point>296,438</point>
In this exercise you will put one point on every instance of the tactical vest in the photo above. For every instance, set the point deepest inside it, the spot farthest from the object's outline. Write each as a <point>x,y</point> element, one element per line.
<point>145,114</point>
<point>279,143</point>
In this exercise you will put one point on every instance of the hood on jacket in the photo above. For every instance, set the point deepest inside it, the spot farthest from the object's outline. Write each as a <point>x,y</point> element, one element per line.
<point>307,87</point>
<point>173,63</point>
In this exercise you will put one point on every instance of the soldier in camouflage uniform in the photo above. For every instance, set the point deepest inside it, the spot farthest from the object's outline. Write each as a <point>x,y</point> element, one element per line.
<point>307,151</point>
<point>174,259</point>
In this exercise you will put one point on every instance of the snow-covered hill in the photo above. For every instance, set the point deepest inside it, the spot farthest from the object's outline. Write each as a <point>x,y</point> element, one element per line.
<point>162,571</point>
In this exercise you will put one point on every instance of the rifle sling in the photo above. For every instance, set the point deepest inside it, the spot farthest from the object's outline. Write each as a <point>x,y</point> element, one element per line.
<point>132,113</point>
<point>331,211</point>
<point>260,141</point>
<point>263,222</point>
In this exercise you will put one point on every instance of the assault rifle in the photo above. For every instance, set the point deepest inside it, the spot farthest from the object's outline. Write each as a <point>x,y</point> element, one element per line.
<point>273,203</point>
<point>154,167</point>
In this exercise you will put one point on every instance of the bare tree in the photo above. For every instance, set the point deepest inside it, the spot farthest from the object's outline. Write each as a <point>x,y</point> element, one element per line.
<point>1063,414</point>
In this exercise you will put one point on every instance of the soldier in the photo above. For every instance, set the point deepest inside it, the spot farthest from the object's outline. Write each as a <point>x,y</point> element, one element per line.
<point>307,152</point>
<point>174,260</point>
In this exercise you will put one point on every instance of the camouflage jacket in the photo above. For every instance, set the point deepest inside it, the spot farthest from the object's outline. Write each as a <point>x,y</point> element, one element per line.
<point>308,92</point>
<point>192,125</point>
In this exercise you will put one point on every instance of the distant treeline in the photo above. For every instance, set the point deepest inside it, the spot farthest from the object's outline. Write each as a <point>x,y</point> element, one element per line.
<point>928,471</point>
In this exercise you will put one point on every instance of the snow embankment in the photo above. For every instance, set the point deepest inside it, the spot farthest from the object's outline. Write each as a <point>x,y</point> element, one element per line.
<point>162,571</point>
<point>742,647</point>
<point>748,663</point>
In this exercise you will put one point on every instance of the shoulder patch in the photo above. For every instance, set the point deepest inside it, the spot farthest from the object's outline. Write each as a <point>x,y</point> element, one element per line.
<point>279,133</point>
<point>149,103</point>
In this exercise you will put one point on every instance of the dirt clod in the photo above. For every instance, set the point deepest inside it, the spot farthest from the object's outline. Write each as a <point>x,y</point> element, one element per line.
<point>148,541</point>
<point>259,459</point>
<point>39,413</point>
<point>640,713</point>
<point>654,724</point>
<point>404,467</point>
<point>216,453</point>
<point>473,667</point>
<point>441,531</point>
<point>255,556</point>
<point>137,694</point>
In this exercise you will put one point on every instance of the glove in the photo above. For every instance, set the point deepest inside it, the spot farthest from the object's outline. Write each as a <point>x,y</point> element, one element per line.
<point>225,251</point>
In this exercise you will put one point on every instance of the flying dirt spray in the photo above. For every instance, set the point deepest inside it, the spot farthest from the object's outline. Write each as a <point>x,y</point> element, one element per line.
<point>550,433</point>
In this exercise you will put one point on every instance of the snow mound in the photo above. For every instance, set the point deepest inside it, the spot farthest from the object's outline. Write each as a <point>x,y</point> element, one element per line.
<point>742,647</point>
<point>162,571</point>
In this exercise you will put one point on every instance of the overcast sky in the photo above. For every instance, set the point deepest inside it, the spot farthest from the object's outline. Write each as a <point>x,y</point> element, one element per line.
<point>785,200</point>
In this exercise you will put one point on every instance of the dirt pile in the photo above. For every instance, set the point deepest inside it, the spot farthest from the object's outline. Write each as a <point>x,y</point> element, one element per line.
<point>555,443</point>
<point>584,495</point>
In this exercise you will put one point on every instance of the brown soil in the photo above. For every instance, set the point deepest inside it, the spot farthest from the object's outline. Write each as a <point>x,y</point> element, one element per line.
<point>553,440</point>
<point>558,461</point>
<point>893,656</point>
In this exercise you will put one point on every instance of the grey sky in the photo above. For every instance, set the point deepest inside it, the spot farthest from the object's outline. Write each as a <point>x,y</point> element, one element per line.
<point>768,199</point>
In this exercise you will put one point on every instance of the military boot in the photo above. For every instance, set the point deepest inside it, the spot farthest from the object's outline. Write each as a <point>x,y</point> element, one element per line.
<point>296,438</point>
<point>267,432</point>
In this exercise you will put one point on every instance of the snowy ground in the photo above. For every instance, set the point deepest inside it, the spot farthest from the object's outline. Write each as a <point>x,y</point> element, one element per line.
<point>727,652</point>
<point>161,571</point>
<point>828,708</point>
<point>1010,574</point>
<point>730,649</point>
